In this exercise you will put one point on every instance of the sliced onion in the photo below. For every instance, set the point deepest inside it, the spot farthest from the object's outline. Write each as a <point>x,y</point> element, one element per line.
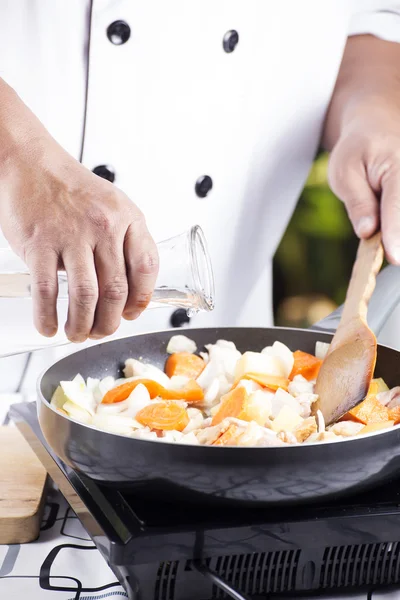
<point>76,412</point>
<point>136,368</point>
<point>81,397</point>
<point>137,400</point>
<point>320,421</point>
<point>177,382</point>
<point>211,393</point>
<point>286,356</point>
<point>281,399</point>
<point>112,409</point>
<point>321,349</point>
<point>181,343</point>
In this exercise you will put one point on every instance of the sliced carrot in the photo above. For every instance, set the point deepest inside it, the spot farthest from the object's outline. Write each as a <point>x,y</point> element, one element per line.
<point>227,437</point>
<point>163,415</point>
<point>394,414</point>
<point>232,405</point>
<point>368,411</point>
<point>376,427</point>
<point>306,365</point>
<point>192,392</point>
<point>239,404</point>
<point>185,364</point>
<point>269,381</point>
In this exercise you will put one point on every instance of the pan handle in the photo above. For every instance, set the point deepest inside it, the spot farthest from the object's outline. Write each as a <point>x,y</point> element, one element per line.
<point>384,300</point>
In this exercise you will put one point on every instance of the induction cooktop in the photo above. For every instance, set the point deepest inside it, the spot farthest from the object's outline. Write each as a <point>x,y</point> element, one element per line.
<point>171,550</point>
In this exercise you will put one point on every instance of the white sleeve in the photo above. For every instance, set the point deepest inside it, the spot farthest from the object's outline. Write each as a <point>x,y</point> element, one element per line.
<point>377,17</point>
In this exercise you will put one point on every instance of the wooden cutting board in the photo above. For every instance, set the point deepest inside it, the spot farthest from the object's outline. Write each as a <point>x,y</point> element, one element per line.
<point>22,489</point>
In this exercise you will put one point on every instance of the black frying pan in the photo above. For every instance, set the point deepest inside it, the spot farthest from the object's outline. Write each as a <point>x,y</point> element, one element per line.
<point>290,474</point>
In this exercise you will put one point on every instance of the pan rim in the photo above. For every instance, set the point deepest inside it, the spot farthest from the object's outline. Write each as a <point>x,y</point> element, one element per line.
<point>329,443</point>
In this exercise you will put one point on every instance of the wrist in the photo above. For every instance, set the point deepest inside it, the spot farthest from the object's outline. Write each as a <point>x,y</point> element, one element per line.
<point>367,88</point>
<point>21,133</point>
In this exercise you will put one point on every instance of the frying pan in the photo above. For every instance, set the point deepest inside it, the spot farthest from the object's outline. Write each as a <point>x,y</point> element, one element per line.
<point>257,476</point>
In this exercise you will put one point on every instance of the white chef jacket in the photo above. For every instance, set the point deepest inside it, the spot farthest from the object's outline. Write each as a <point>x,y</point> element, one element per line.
<point>170,106</point>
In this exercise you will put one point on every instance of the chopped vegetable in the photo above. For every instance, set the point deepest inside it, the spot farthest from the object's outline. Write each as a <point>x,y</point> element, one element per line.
<point>346,428</point>
<point>286,420</point>
<point>283,353</point>
<point>137,368</point>
<point>76,392</point>
<point>394,415</point>
<point>255,362</point>
<point>303,430</point>
<point>368,411</point>
<point>59,398</point>
<point>232,405</point>
<point>184,364</point>
<point>377,386</point>
<point>269,381</point>
<point>240,404</point>
<point>227,437</point>
<point>222,398</point>
<point>320,422</point>
<point>391,398</point>
<point>223,358</point>
<point>282,398</point>
<point>76,412</point>
<point>306,365</point>
<point>181,343</point>
<point>192,392</point>
<point>115,423</point>
<point>371,427</point>
<point>164,415</point>
<point>321,349</point>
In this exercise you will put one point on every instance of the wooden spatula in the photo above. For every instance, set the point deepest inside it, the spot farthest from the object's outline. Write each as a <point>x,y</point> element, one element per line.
<point>348,367</point>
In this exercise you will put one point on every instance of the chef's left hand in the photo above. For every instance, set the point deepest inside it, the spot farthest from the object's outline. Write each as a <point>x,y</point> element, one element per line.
<point>364,172</point>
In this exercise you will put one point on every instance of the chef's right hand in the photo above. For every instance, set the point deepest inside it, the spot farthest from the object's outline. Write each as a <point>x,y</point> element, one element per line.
<point>57,215</point>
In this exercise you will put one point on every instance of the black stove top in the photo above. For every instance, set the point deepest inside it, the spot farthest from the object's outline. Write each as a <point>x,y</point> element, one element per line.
<point>173,551</point>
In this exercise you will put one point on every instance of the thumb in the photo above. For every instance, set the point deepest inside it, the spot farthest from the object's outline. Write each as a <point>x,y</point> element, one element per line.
<point>349,182</point>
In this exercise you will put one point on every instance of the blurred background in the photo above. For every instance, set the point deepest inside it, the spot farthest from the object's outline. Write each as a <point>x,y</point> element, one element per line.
<point>313,263</point>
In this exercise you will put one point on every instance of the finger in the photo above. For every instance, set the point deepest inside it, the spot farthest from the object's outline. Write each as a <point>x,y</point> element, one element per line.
<point>390,215</point>
<point>42,266</point>
<point>348,180</point>
<point>82,292</point>
<point>113,288</point>
<point>141,257</point>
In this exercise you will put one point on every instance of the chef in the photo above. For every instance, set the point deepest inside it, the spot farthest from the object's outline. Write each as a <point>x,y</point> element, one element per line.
<point>124,122</point>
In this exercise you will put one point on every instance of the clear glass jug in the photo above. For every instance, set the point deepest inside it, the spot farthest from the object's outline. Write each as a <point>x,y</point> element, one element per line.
<point>185,280</point>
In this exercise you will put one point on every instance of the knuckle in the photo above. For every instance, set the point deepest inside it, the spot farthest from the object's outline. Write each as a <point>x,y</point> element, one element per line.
<point>148,263</point>
<point>102,221</point>
<point>115,292</point>
<point>356,206</point>
<point>84,294</point>
<point>46,288</point>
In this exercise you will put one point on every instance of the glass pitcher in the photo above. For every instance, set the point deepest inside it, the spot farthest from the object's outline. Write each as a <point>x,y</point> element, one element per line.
<point>185,280</point>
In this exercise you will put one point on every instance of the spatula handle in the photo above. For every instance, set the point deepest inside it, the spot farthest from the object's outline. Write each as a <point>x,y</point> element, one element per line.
<point>363,279</point>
